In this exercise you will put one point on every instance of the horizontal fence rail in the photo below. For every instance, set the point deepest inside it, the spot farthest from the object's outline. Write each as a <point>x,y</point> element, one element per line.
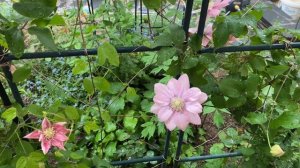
<point>82,52</point>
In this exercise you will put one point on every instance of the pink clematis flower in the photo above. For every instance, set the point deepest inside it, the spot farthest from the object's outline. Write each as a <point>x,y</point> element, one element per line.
<point>176,104</point>
<point>207,35</point>
<point>50,135</point>
<point>215,9</point>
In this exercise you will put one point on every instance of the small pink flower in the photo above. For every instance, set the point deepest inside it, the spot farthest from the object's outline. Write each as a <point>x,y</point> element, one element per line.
<point>215,9</point>
<point>176,104</point>
<point>50,135</point>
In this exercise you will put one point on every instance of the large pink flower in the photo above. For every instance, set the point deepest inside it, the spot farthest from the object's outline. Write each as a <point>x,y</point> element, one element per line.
<point>215,9</point>
<point>50,135</point>
<point>176,104</point>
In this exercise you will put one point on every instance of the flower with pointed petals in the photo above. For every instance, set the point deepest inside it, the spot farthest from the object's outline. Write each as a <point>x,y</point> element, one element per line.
<point>176,104</point>
<point>215,9</point>
<point>50,135</point>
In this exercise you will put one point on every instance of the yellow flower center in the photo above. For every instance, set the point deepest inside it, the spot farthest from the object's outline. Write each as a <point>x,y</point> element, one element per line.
<point>177,104</point>
<point>49,133</point>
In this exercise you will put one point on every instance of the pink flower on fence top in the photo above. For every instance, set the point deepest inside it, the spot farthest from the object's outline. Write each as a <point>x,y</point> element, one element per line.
<point>215,9</point>
<point>50,135</point>
<point>176,104</point>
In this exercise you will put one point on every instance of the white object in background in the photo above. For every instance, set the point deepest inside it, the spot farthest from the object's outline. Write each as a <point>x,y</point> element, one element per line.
<point>291,7</point>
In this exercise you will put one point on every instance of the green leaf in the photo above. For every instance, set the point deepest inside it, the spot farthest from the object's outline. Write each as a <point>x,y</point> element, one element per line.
<point>21,74</point>
<point>178,37</point>
<point>152,4</point>
<point>111,149</point>
<point>71,113</point>
<point>256,118</point>
<point>101,84</point>
<point>130,122</point>
<point>258,63</point>
<point>88,86</point>
<point>296,95</point>
<point>80,67</point>
<point>277,69</point>
<point>57,20</point>
<point>36,156</point>
<point>117,104</point>
<point>221,32</point>
<point>149,129</point>
<point>247,151</point>
<point>77,155</point>
<point>44,35</point>
<point>218,119</point>
<point>15,40</point>
<point>288,120</point>
<point>35,8</point>
<point>35,109</point>
<point>172,2</point>
<point>110,126</point>
<point>108,51</point>
<point>122,135</point>
<point>231,87</point>
<point>252,84</point>
<point>9,114</point>
<point>90,126</point>
<point>22,162</point>
<point>131,94</point>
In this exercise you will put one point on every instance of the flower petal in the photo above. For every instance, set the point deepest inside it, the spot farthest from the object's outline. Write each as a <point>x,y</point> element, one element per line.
<point>155,108</point>
<point>58,144</point>
<point>160,99</point>
<point>60,137</point>
<point>170,125</point>
<point>193,94</point>
<point>175,87</point>
<point>164,114</point>
<point>33,135</point>
<point>184,82</point>
<point>45,124</point>
<point>58,127</point>
<point>194,118</point>
<point>161,89</point>
<point>203,98</point>
<point>46,144</point>
<point>193,107</point>
<point>181,120</point>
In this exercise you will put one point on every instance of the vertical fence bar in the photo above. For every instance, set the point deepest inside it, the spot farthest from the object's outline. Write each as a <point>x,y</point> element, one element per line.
<point>178,151</point>
<point>202,19</point>
<point>166,149</point>
<point>187,16</point>
<point>141,16</point>
<point>135,13</point>
<point>4,96</point>
<point>12,85</point>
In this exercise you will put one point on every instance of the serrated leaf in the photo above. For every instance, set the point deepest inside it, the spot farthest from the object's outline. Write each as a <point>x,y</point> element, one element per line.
<point>122,135</point>
<point>288,120</point>
<point>80,67</point>
<point>90,126</point>
<point>101,84</point>
<point>35,8</point>
<point>218,119</point>
<point>258,63</point>
<point>221,32</point>
<point>231,87</point>
<point>277,69</point>
<point>71,113</point>
<point>110,126</point>
<point>149,129</point>
<point>111,149</point>
<point>256,118</point>
<point>77,155</point>
<point>57,20</point>
<point>15,40</point>
<point>109,52</point>
<point>131,94</point>
<point>130,122</point>
<point>88,86</point>
<point>44,35</point>
<point>117,104</point>
<point>9,114</point>
<point>21,74</point>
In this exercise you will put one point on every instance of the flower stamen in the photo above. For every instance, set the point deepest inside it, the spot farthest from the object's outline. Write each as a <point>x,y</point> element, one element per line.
<point>49,133</point>
<point>177,104</point>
